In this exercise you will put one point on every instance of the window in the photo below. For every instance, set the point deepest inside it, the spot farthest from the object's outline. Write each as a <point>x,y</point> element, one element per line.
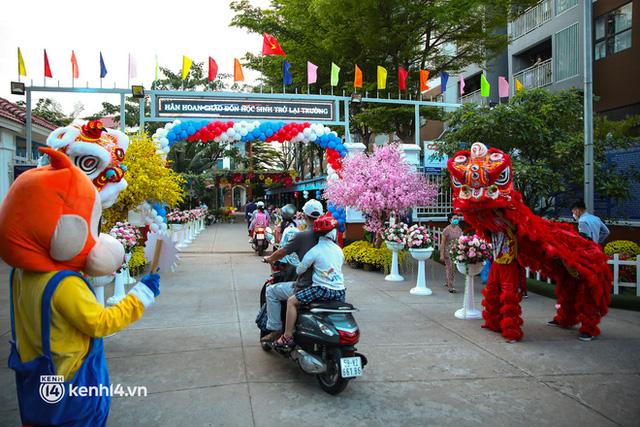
<point>566,53</point>
<point>613,32</point>
<point>564,5</point>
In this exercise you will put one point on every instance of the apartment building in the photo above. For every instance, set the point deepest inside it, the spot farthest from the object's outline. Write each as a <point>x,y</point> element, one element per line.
<point>546,49</point>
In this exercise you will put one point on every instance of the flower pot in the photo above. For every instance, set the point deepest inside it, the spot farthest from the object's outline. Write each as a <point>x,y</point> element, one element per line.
<point>470,269</point>
<point>394,275</point>
<point>421,255</point>
<point>469,310</point>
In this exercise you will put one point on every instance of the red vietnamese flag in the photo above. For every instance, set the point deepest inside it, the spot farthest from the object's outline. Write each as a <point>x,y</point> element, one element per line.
<point>47,68</point>
<point>270,46</point>
<point>213,69</point>
<point>402,78</point>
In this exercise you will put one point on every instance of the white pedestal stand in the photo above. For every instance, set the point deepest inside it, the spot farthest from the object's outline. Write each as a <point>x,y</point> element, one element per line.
<point>188,236</point>
<point>128,279</point>
<point>178,232</point>
<point>469,310</point>
<point>98,284</point>
<point>118,290</point>
<point>394,276</point>
<point>421,255</point>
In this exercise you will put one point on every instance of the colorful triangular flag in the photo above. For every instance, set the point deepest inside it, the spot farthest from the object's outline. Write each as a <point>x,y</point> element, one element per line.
<point>47,68</point>
<point>519,86</point>
<point>287,78</point>
<point>103,67</point>
<point>402,78</point>
<point>503,87</point>
<point>462,84</point>
<point>312,73</point>
<point>22,70</point>
<point>186,66</point>
<point>485,87</point>
<point>238,75</point>
<point>382,77</point>
<point>213,69</point>
<point>424,78</point>
<point>335,74</point>
<point>75,70</point>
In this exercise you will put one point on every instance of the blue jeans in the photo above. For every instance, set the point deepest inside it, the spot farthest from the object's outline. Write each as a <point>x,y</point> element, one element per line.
<point>275,295</point>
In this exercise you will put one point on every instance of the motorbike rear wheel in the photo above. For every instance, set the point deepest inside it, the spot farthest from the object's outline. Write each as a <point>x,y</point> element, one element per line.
<point>260,250</point>
<point>332,381</point>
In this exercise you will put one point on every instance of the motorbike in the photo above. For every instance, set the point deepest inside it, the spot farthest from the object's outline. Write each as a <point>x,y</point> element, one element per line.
<point>324,339</point>
<point>261,239</point>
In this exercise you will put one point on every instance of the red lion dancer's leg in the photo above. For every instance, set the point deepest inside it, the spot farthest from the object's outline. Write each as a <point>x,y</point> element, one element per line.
<point>491,301</point>
<point>510,297</point>
<point>566,293</point>
<point>589,314</point>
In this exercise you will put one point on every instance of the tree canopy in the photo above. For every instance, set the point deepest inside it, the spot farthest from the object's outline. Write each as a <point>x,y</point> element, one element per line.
<point>543,133</point>
<point>414,34</point>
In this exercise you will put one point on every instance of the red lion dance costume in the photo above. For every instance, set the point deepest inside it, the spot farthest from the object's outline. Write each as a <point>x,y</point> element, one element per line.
<point>483,192</point>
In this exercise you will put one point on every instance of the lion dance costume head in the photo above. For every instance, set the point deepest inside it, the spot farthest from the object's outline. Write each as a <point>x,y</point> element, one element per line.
<point>50,220</point>
<point>483,191</point>
<point>98,152</point>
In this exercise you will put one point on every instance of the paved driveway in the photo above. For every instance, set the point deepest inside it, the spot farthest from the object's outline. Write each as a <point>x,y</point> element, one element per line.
<point>197,353</point>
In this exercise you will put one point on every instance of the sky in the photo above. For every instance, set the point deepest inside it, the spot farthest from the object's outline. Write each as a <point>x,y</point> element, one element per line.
<point>117,28</point>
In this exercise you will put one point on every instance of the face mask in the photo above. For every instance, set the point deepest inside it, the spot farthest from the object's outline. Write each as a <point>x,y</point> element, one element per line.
<point>455,221</point>
<point>575,217</point>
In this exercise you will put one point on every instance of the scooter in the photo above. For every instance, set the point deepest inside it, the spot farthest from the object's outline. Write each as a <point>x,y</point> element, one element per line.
<point>260,239</point>
<point>324,340</point>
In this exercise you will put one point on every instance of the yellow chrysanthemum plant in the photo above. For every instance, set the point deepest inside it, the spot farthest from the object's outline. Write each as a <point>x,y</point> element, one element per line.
<point>149,179</point>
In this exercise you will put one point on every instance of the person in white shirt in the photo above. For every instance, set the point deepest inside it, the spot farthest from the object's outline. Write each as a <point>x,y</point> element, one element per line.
<point>589,225</point>
<point>327,280</point>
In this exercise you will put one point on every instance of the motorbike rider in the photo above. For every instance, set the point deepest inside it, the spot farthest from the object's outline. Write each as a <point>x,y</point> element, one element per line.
<point>285,232</point>
<point>299,243</point>
<point>327,280</point>
<point>259,219</point>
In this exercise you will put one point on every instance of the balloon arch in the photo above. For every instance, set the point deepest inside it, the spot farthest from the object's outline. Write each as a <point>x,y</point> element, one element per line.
<point>269,131</point>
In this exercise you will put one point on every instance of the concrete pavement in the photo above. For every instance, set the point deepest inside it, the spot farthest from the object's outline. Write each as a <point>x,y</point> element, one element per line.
<point>196,350</point>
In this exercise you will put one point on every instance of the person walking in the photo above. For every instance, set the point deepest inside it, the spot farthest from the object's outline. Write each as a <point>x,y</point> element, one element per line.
<point>589,225</point>
<point>448,238</point>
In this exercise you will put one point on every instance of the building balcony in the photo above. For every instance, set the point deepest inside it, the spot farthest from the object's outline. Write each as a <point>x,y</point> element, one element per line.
<point>473,97</point>
<point>531,19</point>
<point>538,75</point>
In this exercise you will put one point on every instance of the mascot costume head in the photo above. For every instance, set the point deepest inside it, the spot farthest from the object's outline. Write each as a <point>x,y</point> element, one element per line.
<point>50,220</point>
<point>98,152</point>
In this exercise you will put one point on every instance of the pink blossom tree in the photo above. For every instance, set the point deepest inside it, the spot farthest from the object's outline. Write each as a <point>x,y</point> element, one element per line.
<point>379,184</point>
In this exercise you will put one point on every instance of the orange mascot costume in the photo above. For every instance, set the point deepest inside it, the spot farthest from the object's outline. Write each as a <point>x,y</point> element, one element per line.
<point>49,234</point>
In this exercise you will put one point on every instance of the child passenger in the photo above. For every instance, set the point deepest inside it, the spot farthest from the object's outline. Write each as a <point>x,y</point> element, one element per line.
<point>327,281</point>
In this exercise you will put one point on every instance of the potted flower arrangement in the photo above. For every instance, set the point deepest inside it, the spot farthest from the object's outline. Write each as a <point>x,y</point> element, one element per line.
<point>395,238</point>
<point>420,244</point>
<point>128,235</point>
<point>469,253</point>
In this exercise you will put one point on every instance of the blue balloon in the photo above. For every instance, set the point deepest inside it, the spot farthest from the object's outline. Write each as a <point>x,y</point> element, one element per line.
<point>183,135</point>
<point>332,145</point>
<point>269,132</point>
<point>262,137</point>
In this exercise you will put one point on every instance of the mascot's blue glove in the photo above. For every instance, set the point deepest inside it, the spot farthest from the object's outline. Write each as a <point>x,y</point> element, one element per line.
<point>153,282</point>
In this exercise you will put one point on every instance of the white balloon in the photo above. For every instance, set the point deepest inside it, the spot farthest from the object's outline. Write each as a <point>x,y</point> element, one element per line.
<point>217,139</point>
<point>166,149</point>
<point>237,137</point>
<point>333,133</point>
<point>146,205</point>
<point>244,132</point>
<point>326,131</point>
<point>236,126</point>
<point>154,228</point>
<point>159,219</point>
<point>256,124</point>
<point>148,220</point>
<point>154,212</point>
<point>164,141</point>
<point>231,132</point>
<point>313,137</point>
<point>163,226</point>
<point>306,131</point>
<point>177,122</point>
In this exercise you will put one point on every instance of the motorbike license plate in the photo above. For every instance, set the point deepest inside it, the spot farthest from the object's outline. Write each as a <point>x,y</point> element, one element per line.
<point>260,236</point>
<point>351,367</point>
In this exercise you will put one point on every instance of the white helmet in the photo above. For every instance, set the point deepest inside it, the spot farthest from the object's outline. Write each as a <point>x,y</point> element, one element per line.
<point>260,204</point>
<point>313,209</point>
